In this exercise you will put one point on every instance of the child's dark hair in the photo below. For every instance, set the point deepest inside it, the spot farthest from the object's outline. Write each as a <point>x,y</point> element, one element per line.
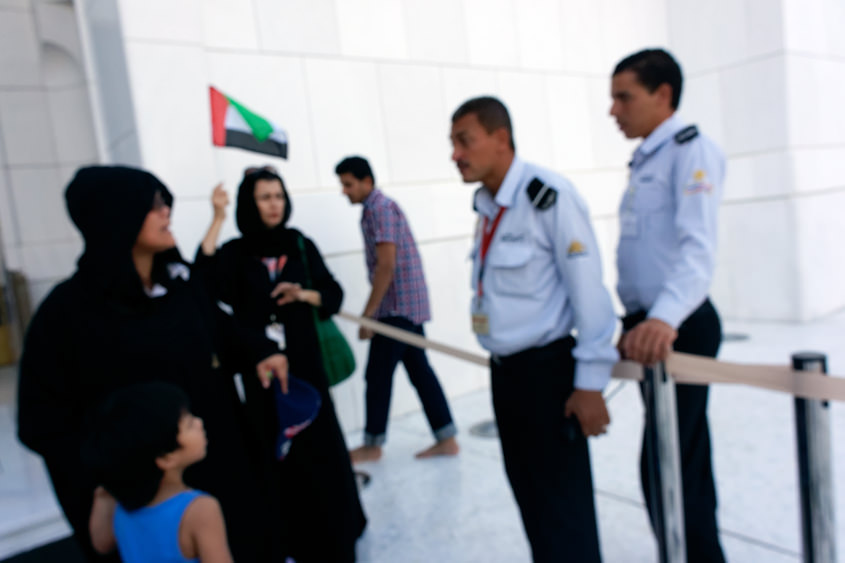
<point>134,426</point>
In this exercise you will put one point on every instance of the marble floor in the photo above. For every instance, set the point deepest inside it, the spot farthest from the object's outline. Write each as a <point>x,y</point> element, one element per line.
<point>461,510</point>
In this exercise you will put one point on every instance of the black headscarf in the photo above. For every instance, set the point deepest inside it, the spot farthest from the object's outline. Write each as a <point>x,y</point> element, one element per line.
<point>109,204</point>
<point>258,239</point>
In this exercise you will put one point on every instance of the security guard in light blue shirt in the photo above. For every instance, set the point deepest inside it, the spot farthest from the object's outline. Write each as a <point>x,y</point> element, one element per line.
<point>668,222</point>
<point>666,256</point>
<point>541,276</point>
<point>536,278</point>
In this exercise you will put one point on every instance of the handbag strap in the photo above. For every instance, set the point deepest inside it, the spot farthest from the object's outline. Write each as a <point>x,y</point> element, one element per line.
<point>300,241</point>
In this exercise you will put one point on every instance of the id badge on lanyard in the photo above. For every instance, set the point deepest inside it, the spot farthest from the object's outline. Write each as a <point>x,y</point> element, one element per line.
<point>480,316</point>
<point>275,331</point>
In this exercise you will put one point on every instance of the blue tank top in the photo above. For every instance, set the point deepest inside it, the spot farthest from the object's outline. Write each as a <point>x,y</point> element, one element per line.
<point>151,533</point>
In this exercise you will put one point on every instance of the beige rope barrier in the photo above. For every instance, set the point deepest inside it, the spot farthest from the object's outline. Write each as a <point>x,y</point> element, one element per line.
<point>415,339</point>
<point>685,368</point>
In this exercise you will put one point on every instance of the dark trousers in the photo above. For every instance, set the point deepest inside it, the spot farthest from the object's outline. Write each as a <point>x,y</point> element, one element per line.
<point>546,455</point>
<point>385,354</point>
<point>699,334</point>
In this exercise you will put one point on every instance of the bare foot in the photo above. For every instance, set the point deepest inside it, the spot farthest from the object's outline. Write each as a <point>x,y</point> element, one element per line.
<point>365,453</point>
<point>449,446</point>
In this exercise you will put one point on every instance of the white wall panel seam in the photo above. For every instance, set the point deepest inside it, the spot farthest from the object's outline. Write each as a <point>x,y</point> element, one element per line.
<point>89,69</point>
<point>383,114</point>
<point>309,112</point>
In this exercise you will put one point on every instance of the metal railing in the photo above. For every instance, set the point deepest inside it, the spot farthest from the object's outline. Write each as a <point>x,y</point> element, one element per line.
<point>815,473</point>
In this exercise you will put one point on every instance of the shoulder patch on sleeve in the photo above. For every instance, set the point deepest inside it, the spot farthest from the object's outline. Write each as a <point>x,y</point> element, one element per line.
<point>542,195</point>
<point>686,134</point>
<point>576,248</point>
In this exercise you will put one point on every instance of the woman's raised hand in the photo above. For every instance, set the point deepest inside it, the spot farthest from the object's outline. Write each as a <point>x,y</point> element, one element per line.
<point>219,201</point>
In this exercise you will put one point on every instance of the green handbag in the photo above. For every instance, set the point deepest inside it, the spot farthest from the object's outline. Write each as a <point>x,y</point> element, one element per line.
<point>338,359</point>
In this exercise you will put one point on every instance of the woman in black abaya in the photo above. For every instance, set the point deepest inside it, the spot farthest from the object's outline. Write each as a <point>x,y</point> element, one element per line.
<point>264,276</point>
<point>133,312</point>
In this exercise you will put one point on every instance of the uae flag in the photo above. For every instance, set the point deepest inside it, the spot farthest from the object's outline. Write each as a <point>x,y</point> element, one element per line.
<point>233,125</point>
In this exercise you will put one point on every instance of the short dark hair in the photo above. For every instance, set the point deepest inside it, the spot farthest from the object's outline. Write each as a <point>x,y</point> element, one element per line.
<point>357,166</point>
<point>654,67</point>
<point>134,426</point>
<point>491,113</point>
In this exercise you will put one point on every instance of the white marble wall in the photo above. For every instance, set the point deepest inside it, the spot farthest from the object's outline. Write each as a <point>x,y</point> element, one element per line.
<point>381,78</point>
<point>45,134</point>
<point>815,68</point>
<point>766,80</point>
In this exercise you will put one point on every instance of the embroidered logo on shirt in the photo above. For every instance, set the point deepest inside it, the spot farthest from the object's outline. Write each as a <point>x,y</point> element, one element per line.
<point>512,237</point>
<point>699,183</point>
<point>576,248</point>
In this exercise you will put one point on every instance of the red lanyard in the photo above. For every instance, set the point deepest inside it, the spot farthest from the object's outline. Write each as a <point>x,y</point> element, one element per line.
<point>487,233</point>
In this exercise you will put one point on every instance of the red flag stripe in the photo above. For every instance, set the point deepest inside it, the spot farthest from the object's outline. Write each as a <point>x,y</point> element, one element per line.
<point>219,106</point>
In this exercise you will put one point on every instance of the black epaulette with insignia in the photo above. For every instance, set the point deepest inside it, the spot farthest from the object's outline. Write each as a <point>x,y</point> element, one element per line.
<point>686,134</point>
<point>542,195</point>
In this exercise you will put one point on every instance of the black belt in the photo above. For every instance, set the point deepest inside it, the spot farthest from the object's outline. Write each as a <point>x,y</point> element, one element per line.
<point>566,344</point>
<point>635,318</point>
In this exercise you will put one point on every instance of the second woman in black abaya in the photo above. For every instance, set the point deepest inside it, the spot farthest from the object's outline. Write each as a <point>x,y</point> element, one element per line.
<point>263,277</point>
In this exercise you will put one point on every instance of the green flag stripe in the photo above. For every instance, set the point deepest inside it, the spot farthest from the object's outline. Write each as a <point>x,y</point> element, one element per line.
<point>261,128</point>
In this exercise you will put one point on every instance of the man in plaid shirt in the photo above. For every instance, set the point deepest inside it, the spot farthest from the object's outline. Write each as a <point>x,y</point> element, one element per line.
<point>399,298</point>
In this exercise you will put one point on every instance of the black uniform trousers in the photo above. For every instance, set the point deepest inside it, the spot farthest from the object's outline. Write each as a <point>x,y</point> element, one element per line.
<point>546,455</point>
<point>699,334</point>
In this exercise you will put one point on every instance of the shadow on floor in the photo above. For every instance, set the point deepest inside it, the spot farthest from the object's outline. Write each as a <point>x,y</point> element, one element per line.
<point>64,551</point>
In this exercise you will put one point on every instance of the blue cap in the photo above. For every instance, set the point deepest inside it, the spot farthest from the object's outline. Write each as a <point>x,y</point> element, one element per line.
<point>294,410</point>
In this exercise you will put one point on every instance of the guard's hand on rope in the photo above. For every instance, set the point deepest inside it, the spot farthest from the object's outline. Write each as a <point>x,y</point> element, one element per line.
<point>590,410</point>
<point>648,342</point>
<point>273,366</point>
<point>365,333</point>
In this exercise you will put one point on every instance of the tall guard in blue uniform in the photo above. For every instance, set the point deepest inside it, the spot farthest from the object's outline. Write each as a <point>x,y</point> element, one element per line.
<point>536,277</point>
<point>666,257</point>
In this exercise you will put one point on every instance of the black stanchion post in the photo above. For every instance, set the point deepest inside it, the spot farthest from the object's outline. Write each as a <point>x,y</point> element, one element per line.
<point>815,472</point>
<point>664,463</point>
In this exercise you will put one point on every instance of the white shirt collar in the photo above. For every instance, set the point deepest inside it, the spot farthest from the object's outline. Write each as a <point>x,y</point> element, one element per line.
<point>507,191</point>
<point>661,134</point>
<point>486,204</point>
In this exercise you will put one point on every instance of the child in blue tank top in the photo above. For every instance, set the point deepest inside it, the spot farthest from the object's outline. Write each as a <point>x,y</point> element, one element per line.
<point>144,440</point>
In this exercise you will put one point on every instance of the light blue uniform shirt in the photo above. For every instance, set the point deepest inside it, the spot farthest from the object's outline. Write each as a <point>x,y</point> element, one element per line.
<point>542,275</point>
<point>668,224</point>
